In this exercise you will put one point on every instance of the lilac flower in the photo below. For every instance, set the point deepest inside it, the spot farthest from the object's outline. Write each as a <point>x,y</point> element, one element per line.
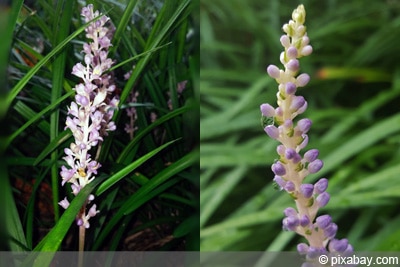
<point>90,115</point>
<point>293,166</point>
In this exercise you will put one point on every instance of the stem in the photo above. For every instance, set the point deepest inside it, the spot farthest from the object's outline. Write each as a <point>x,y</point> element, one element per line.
<point>82,231</point>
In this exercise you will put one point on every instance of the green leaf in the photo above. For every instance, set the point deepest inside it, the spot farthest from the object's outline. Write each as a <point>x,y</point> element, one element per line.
<point>145,192</point>
<point>128,169</point>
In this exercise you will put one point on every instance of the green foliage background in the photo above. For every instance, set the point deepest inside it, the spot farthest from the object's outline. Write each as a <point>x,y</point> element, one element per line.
<point>353,99</point>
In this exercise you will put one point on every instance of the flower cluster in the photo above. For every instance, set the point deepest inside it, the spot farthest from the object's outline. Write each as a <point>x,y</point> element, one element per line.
<point>90,114</point>
<point>293,166</point>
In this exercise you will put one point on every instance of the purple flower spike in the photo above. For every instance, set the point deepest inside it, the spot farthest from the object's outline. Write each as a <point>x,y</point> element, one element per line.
<point>293,165</point>
<point>307,190</point>
<point>89,117</point>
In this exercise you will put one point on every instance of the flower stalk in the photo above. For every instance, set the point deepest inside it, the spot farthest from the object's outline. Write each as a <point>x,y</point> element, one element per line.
<point>293,165</point>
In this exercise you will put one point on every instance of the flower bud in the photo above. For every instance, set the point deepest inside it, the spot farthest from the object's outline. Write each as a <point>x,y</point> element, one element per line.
<point>307,190</point>
<point>290,88</point>
<point>278,169</point>
<point>273,71</point>
<point>304,125</point>
<point>321,186</point>
<point>302,80</point>
<point>311,155</point>
<point>323,221</point>
<point>315,166</point>
<point>272,131</point>
<point>323,199</point>
<point>302,248</point>
<point>267,110</point>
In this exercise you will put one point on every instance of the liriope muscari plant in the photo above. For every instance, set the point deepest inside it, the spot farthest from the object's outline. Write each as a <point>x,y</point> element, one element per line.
<point>90,114</point>
<point>294,165</point>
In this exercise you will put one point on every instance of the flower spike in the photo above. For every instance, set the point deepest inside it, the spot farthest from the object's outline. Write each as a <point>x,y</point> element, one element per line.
<point>293,166</point>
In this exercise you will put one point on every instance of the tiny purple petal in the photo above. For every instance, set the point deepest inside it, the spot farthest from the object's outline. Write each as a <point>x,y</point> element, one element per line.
<point>297,103</point>
<point>285,41</point>
<point>290,212</point>
<point>321,186</point>
<point>304,125</point>
<point>267,110</point>
<point>280,149</point>
<point>272,131</point>
<point>288,123</point>
<point>331,230</point>
<point>307,190</point>
<point>307,50</point>
<point>290,88</point>
<point>82,100</point>
<point>66,174</point>
<point>290,153</point>
<point>278,169</point>
<point>304,220</point>
<point>291,52</point>
<point>314,252</point>
<point>279,111</point>
<point>323,199</point>
<point>303,143</point>
<point>64,203</point>
<point>315,166</point>
<point>323,221</point>
<point>336,245</point>
<point>273,71</point>
<point>302,108</point>
<point>79,222</point>
<point>305,40</point>
<point>290,223</point>
<point>290,187</point>
<point>293,65</point>
<point>302,80</point>
<point>279,180</point>
<point>302,248</point>
<point>311,155</point>
<point>92,211</point>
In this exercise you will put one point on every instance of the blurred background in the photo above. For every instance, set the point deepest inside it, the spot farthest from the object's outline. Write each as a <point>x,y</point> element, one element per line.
<point>353,100</point>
